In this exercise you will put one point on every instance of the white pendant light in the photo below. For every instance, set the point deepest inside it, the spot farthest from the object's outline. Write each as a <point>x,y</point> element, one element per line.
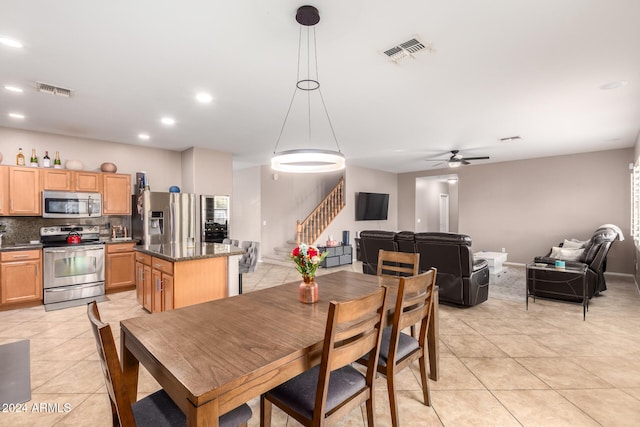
<point>308,160</point>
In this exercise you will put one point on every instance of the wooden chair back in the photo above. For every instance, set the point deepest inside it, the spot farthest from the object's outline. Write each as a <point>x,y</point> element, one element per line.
<point>398,263</point>
<point>120,402</point>
<point>413,305</point>
<point>353,329</point>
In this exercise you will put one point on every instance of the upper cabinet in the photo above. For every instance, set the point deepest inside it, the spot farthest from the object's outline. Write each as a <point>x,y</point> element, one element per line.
<point>88,181</point>
<point>66,180</point>
<point>21,189</point>
<point>24,191</point>
<point>116,195</point>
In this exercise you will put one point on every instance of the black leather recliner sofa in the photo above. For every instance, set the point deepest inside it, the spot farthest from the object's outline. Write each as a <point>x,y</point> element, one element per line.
<point>558,284</point>
<point>462,280</point>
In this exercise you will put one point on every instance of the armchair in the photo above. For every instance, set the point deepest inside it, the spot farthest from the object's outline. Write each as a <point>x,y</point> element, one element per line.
<point>462,280</point>
<point>558,284</point>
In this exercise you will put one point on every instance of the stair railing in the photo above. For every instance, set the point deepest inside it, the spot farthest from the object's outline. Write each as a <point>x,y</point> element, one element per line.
<point>319,219</point>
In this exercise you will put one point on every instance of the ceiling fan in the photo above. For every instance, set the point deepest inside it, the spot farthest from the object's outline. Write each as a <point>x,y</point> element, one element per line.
<point>458,159</point>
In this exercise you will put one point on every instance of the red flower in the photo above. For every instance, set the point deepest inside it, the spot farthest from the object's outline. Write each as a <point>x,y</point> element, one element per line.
<point>312,252</point>
<point>296,251</point>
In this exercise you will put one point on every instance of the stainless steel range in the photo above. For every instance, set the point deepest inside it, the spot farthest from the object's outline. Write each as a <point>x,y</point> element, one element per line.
<point>72,270</point>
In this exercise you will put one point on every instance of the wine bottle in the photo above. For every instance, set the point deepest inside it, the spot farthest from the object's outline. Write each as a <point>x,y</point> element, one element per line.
<point>20,158</point>
<point>34,158</point>
<point>46,160</point>
<point>57,164</point>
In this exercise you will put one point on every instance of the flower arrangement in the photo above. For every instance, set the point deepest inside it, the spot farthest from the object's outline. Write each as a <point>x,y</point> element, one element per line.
<point>307,259</point>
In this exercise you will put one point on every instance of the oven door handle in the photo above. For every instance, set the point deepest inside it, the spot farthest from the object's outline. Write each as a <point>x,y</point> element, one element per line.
<point>66,251</point>
<point>65,288</point>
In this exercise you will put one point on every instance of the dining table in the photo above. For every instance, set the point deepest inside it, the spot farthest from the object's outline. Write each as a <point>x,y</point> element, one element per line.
<point>212,357</point>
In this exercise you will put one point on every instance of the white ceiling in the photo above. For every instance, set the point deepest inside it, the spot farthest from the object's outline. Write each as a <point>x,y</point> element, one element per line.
<point>500,68</point>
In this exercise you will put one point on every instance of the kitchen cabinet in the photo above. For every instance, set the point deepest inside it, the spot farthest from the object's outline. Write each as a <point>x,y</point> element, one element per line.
<point>143,280</point>
<point>87,181</point>
<point>162,285</point>
<point>67,180</point>
<point>120,268</point>
<point>4,190</point>
<point>24,191</point>
<point>116,196</point>
<point>20,276</point>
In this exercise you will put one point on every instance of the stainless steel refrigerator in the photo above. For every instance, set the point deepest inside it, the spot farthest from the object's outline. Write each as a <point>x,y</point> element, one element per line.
<point>164,218</point>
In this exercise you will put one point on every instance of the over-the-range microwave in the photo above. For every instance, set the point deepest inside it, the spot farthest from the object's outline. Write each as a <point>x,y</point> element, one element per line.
<point>62,204</point>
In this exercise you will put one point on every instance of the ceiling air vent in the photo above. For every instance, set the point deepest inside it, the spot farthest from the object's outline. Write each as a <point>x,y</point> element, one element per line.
<point>53,90</point>
<point>510,138</point>
<point>407,49</point>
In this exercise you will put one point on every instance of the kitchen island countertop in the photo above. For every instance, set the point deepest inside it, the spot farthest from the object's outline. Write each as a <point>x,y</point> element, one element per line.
<point>177,252</point>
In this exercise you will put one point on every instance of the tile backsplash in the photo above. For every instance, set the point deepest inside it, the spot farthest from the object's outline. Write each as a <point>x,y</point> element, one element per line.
<point>22,229</point>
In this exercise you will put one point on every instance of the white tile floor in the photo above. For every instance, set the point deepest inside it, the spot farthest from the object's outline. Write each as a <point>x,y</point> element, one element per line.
<point>500,364</point>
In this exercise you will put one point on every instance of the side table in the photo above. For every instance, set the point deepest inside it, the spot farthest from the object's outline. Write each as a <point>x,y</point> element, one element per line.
<point>571,272</point>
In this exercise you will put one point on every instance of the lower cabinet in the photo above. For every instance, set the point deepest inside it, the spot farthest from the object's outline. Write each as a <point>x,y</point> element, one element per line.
<point>20,276</point>
<point>143,280</point>
<point>120,268</point>
<point>162,285</point>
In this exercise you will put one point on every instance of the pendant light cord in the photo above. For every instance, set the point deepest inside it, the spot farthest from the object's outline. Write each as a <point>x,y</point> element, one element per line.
<point>317,81</point>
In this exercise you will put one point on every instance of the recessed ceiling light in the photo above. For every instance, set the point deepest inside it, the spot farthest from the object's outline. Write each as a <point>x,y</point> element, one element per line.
<point>205,98</point>
<point>16,115</point>
<point>10,42</point>
<point>614,85</point>
<point>13,89</point>
<point>168,121</point>
<point>143,136</point>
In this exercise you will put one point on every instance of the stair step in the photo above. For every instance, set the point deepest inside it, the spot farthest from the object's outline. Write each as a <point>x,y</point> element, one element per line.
<point>276,259</point>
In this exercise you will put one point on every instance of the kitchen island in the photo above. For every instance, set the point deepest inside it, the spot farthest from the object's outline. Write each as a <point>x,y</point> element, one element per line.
<point>178,275</point>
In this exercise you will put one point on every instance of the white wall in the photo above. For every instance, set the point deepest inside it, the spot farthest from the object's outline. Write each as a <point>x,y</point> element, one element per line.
<point>246,205</point>
<point>162,166</point>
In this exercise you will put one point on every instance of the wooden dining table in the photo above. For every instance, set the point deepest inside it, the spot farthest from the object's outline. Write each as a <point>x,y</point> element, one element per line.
<point>212,357</point>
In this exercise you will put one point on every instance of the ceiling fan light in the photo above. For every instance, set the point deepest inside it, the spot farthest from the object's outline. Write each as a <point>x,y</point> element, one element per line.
<point>307,161</point>
<point>454,164</point>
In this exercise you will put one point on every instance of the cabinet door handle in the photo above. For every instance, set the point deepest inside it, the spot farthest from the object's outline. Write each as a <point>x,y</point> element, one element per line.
<point>37,269</point>
<point>20,256</point>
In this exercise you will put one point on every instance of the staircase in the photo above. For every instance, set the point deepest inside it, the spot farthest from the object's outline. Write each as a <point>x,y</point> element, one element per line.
<point>309,230</point>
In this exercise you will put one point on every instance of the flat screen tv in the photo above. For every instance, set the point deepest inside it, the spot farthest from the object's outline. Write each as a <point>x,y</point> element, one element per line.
<point>371,206</point>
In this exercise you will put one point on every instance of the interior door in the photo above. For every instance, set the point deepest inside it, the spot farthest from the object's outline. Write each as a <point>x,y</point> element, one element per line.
<point>444,213</point>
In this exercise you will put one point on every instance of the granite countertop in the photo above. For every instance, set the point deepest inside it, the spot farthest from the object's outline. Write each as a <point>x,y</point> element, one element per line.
<point>177,252</point>
<point>20,246</point>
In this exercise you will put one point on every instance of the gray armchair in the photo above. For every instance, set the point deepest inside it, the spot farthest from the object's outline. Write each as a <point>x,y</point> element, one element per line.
<point>248,260</point>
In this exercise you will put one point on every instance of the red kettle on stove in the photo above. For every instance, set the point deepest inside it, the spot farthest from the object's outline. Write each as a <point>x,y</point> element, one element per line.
<point>74,238</point>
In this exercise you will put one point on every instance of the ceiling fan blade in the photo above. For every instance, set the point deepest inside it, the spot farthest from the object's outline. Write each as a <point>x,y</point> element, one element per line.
<point>437,164</point>
<point>464,162</point>
<point>477,158</point>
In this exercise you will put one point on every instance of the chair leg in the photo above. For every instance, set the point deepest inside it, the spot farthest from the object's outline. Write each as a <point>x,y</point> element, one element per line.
<point>240,284</point>
<point>265,412</point>
<point>393,401</point>
<point>426,393</point>
<point>371,411</point>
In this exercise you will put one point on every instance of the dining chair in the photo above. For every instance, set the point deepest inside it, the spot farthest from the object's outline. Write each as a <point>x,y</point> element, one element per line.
<point>394,264</point>
<point>397,349</point>
<point>324,394</point>
<point>156,410</point>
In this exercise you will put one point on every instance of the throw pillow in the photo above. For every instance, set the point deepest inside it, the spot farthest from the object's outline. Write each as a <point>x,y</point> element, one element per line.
<point>573,244</point>
<point>566,254</point>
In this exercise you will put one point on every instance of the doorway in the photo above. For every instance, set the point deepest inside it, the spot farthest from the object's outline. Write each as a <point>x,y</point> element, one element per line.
<point>436,207</point>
